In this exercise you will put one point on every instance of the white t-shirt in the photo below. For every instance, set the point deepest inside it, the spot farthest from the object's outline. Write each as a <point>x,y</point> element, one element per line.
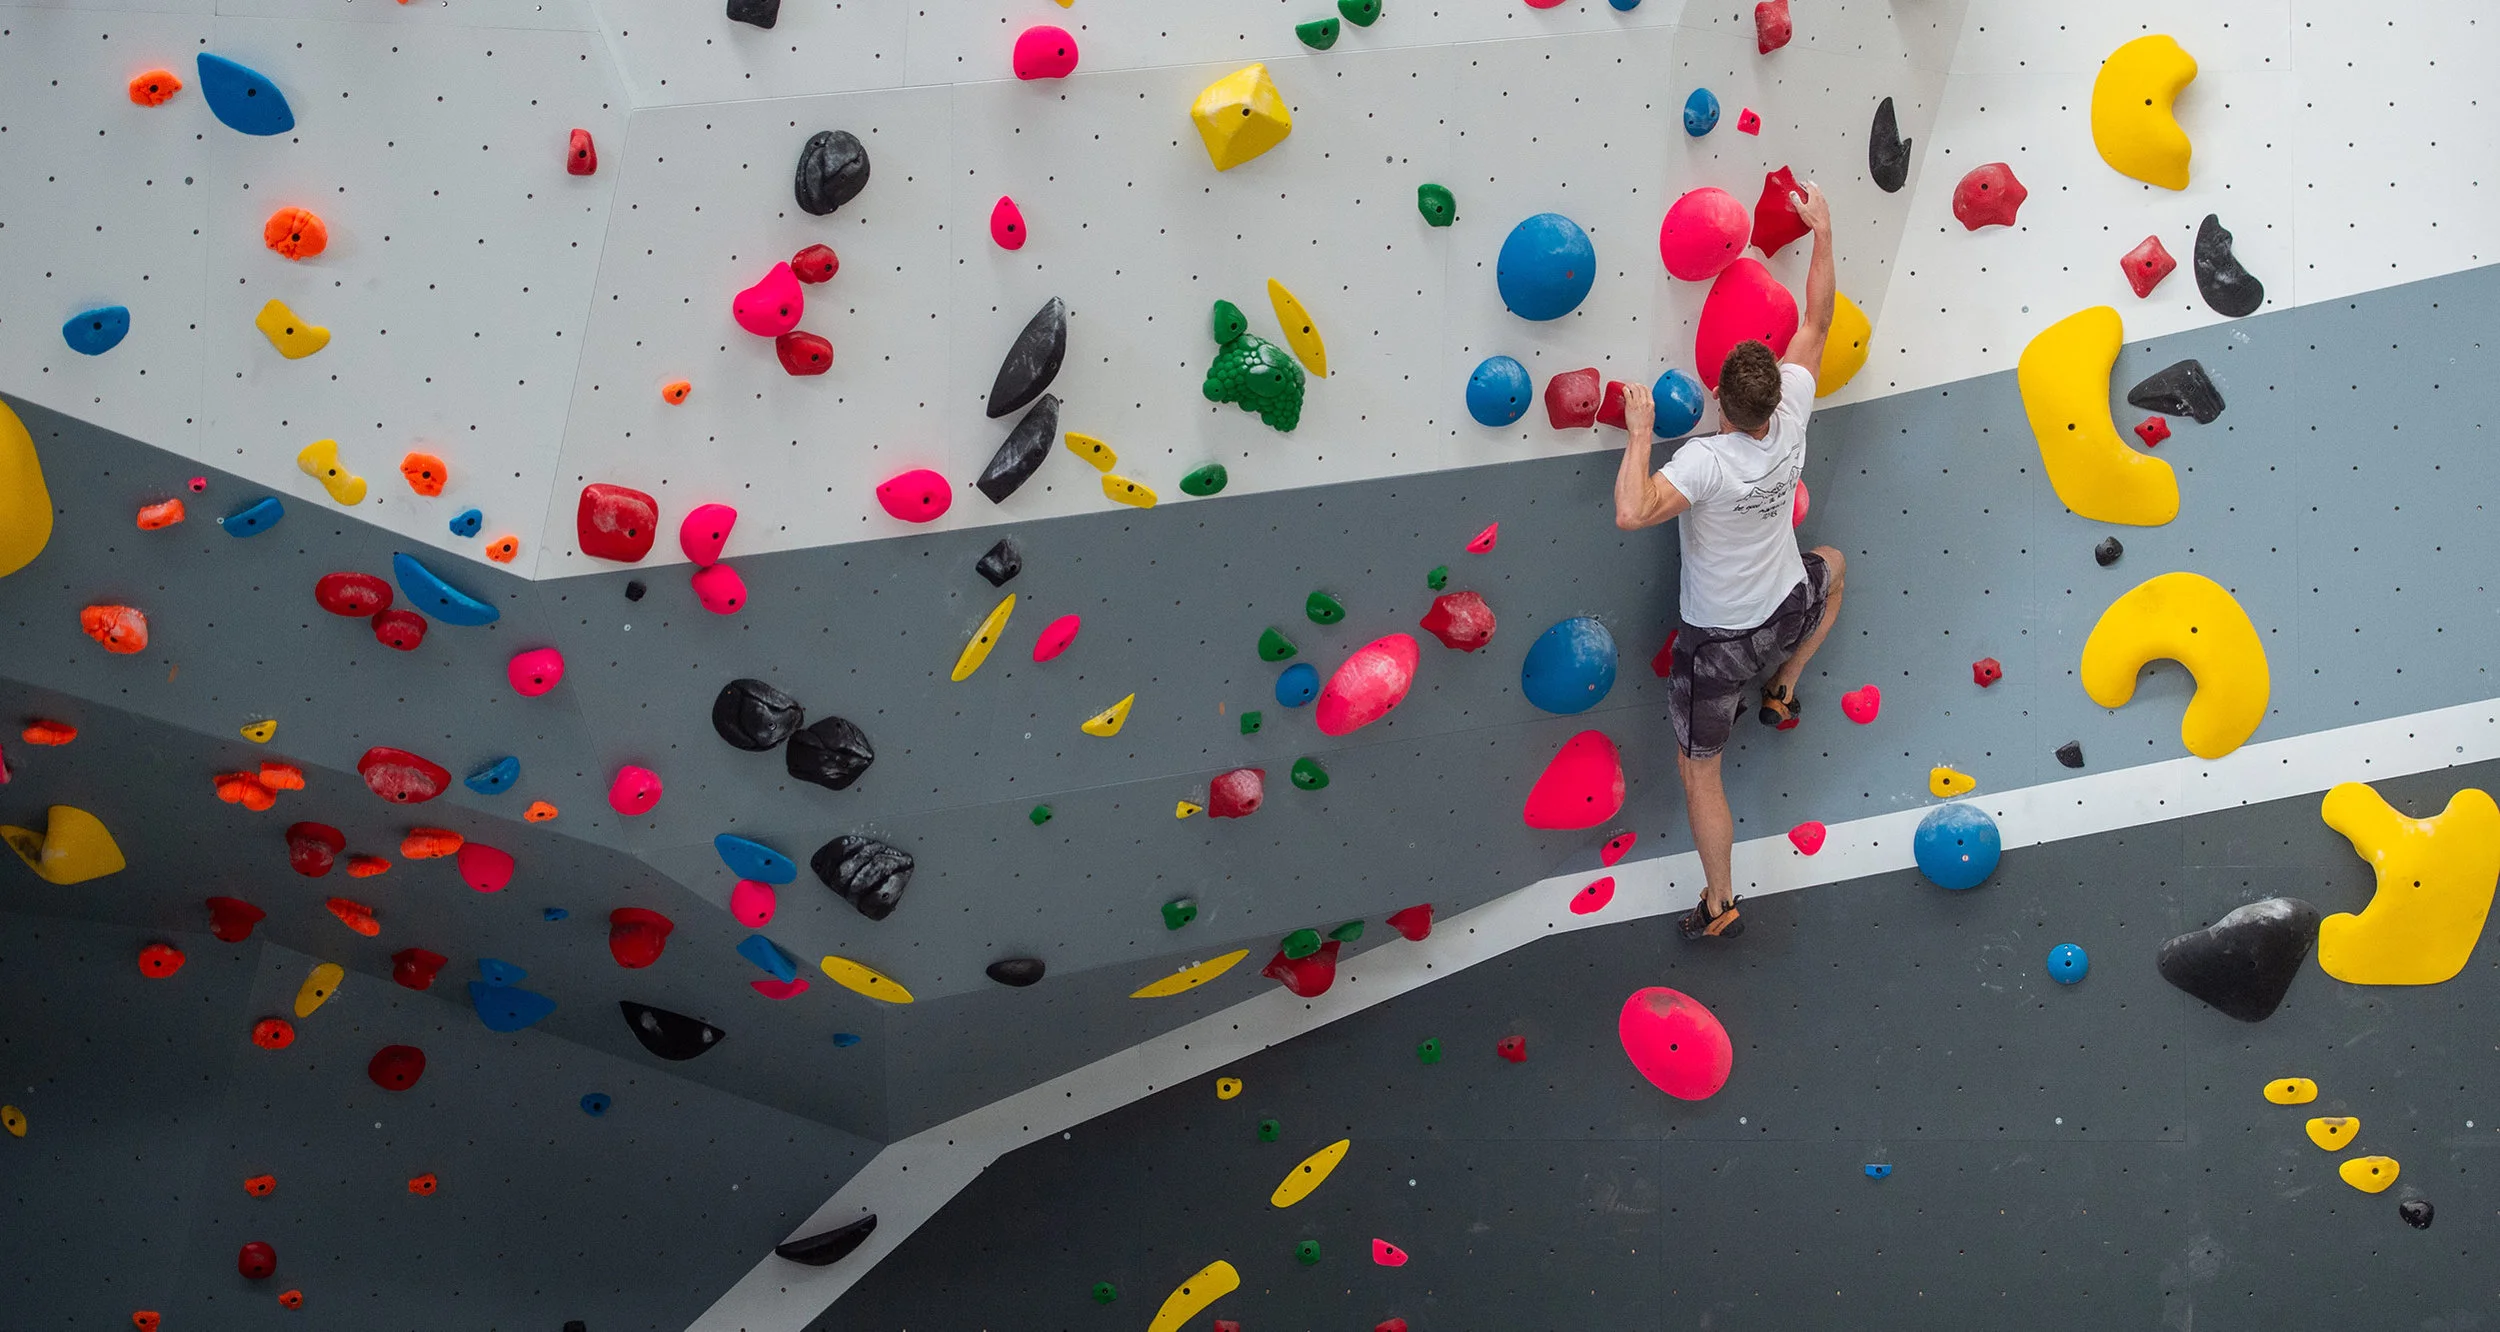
<point>1739,538</point>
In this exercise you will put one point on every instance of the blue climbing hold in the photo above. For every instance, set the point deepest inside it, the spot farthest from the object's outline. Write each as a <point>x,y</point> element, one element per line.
<point>254,518</point>
<point>1499,392</point>
<point>1546,267</point>
<point>1679,400</point>
<point>503,1008</point>
<point>2067,964</point>
<point>1625,6</point>
<point>770,956</point>
<point>1701,112</point>
<point>1570,667</point>
<point>1298,685</point>
<point>242,99</point>
<point>467,524</point>
<point>437,598</point>
<point>495,778</point>
<point>1956,846</point>
<point>754,860</point>
<point>1878,1171</point>
<point>553,914</point>
<point>596,1104</point>
<point>97,331</point>
<point>845,1039</point>
<point>499,972</point>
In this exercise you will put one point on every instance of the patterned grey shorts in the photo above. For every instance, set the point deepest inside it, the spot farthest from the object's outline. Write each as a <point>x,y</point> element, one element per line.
<point>1709,669</point>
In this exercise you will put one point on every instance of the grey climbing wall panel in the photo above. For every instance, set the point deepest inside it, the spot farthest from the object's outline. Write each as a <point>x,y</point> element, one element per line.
<point>2081,1157</point>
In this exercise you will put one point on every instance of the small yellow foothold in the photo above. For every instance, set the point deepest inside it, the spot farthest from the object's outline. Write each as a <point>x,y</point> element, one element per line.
<point>25,506</point>
<point>1183,809</point>
<point>985,638</point>
<point>318,987</point>
<point>1128,492</point>
<point>2193,620</point>
<point>2292,1091</point>
<point>1093,451</point>
<point>1227,1088</point>
<point>1844,348</point>
<point>2333,1134</point>
<point>2370,1174</point>
<point>73,847</point>
<point>1109,720</point>
<point>294,337</point>
<point>1309,1175</point>
<point>2063,375</point>
<point>865,980</point>
<point>1947,782</point>
<point>261,732</point>
<point>2435,882</point>
<point>1209,1284</point>
<point>1240,116</point>
<point>2133,124</point>
<point>1300,333</point>
<point>14,1120</point>
<point>1190,978</point>
<point>320,461</point>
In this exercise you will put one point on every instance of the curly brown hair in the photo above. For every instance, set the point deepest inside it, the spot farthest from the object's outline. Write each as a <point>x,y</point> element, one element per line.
<point>1749,386</point>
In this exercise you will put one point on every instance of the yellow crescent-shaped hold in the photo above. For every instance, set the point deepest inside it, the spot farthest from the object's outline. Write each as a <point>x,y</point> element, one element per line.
<point>2333,1134</point>
<point>73,847</point>
<point>318,987</point>
<point>1844,351</point>
<point>1128,492</point>
<point>2370,1174</point>
<point>1093,450</point>
<point>1209,1284</point>
<point>1190,978</point>
<point>985,638</point>
<point>2064,378</point>
<point>2187,618</point>
<point>14,1120</point>
<point>1309,1175</point>
<point>2435,883</point>
<point>1942,782</point>
<point>2132,123</point>
<point>25,506</point>
<point>320,461</point>
<point>1109,720</point>
<point>2292,1091</point>
<point>1300,333</point>
<point>261,732</point>
<point>865,980</point>
<point>294,337</point>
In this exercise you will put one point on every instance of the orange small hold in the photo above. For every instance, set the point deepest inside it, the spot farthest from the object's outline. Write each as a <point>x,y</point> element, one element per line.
<point>430,843</point>
<point>242,788</point>
<point>539,811</point>
<point>261,1186</point>
<point>355,915</point>
<point>365,867</point>
<point>282,776</point>
<point>424,1185</point>
<point>503,548</point>
<point>295,232</point>
<point>273,1033</point>
<point>146,1320</point>
<point>674,392</point>
<point>294,1299</point>
<point>158,517</point>
<point>159,960</point>
<point>426,473</point>
<point>48,732</point>
<point>154,88</point>
<point>121,629</point>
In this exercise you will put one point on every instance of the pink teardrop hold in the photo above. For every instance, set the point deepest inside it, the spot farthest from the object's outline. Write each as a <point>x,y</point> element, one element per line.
<point>720,589</point>
<point>1387,1254</point>
<point>781,989</point>
<point>1797,514</point>
<point>1483,544</point>
<point>1807,837</point>
<point>1593,899</point>
<point>483,867</point>
<point>1581,787</point>
<point>1704,232</point>
<point>635,790</point>
<point>705,531</point>
<point>771,307</point>
<point>1745,302</point>
<point>917,496</point>
<point>752,903</point>
<point>1370,683</point>
<point>1056,638</point>
<point>1007,224</point>
<point>535,672</point>
<point>1675,1043</point>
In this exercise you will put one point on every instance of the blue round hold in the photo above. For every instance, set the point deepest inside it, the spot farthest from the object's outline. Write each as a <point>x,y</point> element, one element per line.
<point>1499,392</point>
<point>1679,400</point>
<point>1956,846</point>
<point>1570,667</point>
<point>97,331</point>
<point>1701,112</point>
<point>1625,6</point>
<point>596,1104</point>
<point>1546,267</point>
<point>2067,964</point>
<point>845,1040</point>
<point>1298,685</point>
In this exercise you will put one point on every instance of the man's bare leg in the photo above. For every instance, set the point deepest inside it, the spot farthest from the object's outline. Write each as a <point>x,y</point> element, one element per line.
<point>1789,672</point>
<point>1714,827</point>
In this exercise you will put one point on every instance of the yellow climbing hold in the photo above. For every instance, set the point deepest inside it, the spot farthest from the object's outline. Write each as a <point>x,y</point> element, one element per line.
<point>73,847</point>
<point>1241,115</point>
<point>2132,121</point>
<point>320,461</point>
<point>1190,978</point>
<point>318,987</point>
<point>985,638</point>
<point>25,506</point>
<point>1128,492</point>
<point>2435,881</point>
<point>2370,1174</point>
<point>1093,450</point>
<point>1109,720</point>
<point>1844,351</point>
<point>14,1120</point>
<point>1947,782</point>
<point>261,732</point>
<point>1300,333</point>
<point>1310,1174</point>
<point>2064,379</point>
<point>1227,1088</point>
<point>2292,1091</point>
<point>2192,620</point>
<point>294,338</point>
<point>2333,1134</point>
<point>865,980</point>
<point>1211,1283</point>
<point>1182,809</point>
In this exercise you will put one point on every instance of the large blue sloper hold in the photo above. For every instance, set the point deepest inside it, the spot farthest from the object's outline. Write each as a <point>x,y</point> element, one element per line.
<point>1499,392</point>
<point>504,1008</point>
<point>97,331</point>
<point>1298,685</point>
<point>1679,400</point>
<point>240,97</point>
<point>431,595</point>
<point>1571,666</point>
<point>770,956</point>
<point>1546,267</point>
<point>494,778</point>
<point>254,518</point>
<point>1956,846</point>
<point>1701,112</point>
<point>754,860</point>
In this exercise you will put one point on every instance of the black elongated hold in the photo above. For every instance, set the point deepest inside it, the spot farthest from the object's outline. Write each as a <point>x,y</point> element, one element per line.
<point>869,874</point>
<point>2245,962</point>
<point>2181,390</point>
<point>1003,562</point>
<point>761,13</point>
<point>1016,971</point>
<point>670,1035</point>
<point>833,169</point>
<point>2230,289</point>
<point>2071,753</point>
<point>1021,454</point>
<point>832,753</point>
<point>755,716</point>
<point>1033,361</point>
<point>1887,153</point>
<point>831,1246</point>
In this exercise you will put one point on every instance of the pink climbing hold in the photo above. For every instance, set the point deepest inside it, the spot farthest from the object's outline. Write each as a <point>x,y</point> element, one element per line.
<point>635,790</point>
<point>1797,511</point>
<point>1571,399</point>
<point>1581,787</point>
<point>781,989</point>
<point>1664,663</point>
<point>1485,540</point>
<point>483,867</point>
<point>720,589</point>
<point>535,672</point>
<point>1615,846</point>
<point>1593,899</point>
<point>1988,197</point>
<point>1746,303</point>
<point>1771,25</point>
<point>1807,837</point>
<point>636,936</point>
<point>2146,265</point>
<point>1045,52</point>
<point>2152,430</point>
<point>1236,794</point>
<point>1775,220</point>
<point>1512,1048</point>
<point>1007,224</point>
<point>1610,405</point>
<point>615,523</point>
<point>1675,1043</point>
<point>1748,121</point>
<point>752,903</point>
<point>772,306</point>
<point>1460,620</point>
<point>705,531</point>
<point>1308,977</point>
<point>1861,704</point>
<point>1387,1254</point>
<point>1370,683</point>
<point>1705,231</point>
<point>917,496</point>
<point>1056,637</point>
<point>1543,4</point>
<point>1414,923</point>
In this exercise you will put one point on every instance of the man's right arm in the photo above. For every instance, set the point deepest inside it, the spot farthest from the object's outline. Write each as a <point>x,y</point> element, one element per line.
<point>1806,348</point>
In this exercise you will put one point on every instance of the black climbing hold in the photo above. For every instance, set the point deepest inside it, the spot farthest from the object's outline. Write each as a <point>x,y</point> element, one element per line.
<point>867,873</point>
<point>831,753</point>
<point>2071,753</point>
<point>2244,963</point>
<point>1020,455</point>
<point>1887,153</point>
<point>833,169</point>
<point>2182,390</point>
<point>634,589</point>
<point>575,1325</point>
<point>1003,562</point>
<point>2230,289</point>
<point>2416,1212</point>
<point>1033,361</point>
<point>669,1035</point>
<point>2107,553</point>
<point>755,716</point>
<point>829,1247</point>
<point>1016,971</point>
<point>761,13</point>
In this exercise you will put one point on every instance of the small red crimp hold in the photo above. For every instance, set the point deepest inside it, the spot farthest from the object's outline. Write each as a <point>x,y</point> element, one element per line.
<point>1308,977</point>
<point>399,629</point>
<point>1594,897</point>
<point>1571,399</point>
<point>396,1067</point>
<point>1664,662</point>
<point>1807,837</point>
<point>581,157</point>
<point>415,968</point>
<point>159,960</point>
<point>2153,430</point>
<point>348,593</point>
<point>1775,220</point>
<point>1415,922</point>
<point>312,849</point>
<point>1512,1048</point>
<point>1748,121</point>
<point>1460,620</point>
<point>616,523</point>
<point>1485,540</point>
<point>1988,197</point>
<point>401,777</point>
<point>816,263</point>
<point>1236,794</point>
<point>232,918</point>
<point>1986,671</point>
<point>803,353</point>
<point>256,1261</point>
<point>1771,26</point>
<point>273,1033</point>
<point>637,936</point>
<point>2146,265</point>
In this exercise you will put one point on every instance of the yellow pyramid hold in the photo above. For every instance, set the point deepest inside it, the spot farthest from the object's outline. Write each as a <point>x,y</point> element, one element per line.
<point>2132,122</point>
<point>1128,492</point>
<point>320,461</point>
<point>1241,115</point>
<point>1190,978</point>
<point>1227,1088</point>
<point>865,980</point>
<point>1109,720</point>
<point>984,638</point>
<point>1300,333</point>
<point>318,987</point>
<point>1094,451</point>
<point>1947,782</point>
<point>294,338</point>
<point>2370,1174</point>
<point>14,1120</point>
<point>1844,348</point>
<point>73,848</point>
<point>2435,882</point>
<point>2292,1091</point>
<point>2333,1134</point>
<point>1209,1284</point>
<point>1309,1175</point>
<point>1182,809</point>
<point>261,732</point>
<point>25,506</point>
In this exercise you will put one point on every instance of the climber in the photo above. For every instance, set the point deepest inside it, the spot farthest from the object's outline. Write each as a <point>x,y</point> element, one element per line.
<point>1749,602</point>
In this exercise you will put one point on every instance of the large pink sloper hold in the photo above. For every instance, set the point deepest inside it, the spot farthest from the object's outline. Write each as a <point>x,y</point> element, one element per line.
<point>1675,1043</point>
<point>705,532</point>
<point>1581,787</point>
<point>1370,683</point>
<point>635,790</point>
<point>483,867</point>
<point>771,307</point>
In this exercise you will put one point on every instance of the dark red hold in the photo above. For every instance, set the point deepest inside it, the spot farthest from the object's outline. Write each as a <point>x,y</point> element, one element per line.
<point>399,630</point>
<point>232,918</point>
<point>1414,922</point>
<point>1775,220</point>
<point>396,1067</point>
<point>2153,431</point>
<point>615,523</point>
<point>1236,794</point>
<point>1460,620</point>
<point>582,159</point>
<point>816,263</point>
<point>1610,406</point>
<point>636,936</point>
<point>257,1261</point>
<point>1512,1048</point>
<point>1664,662</point>
<point>1308,977</point>
<point>1571,399</point>
<point>2146,265</point>
<point>1771,26</point>
<point>1985,672</point>
<point>401,777</point>
<point>313,848</point>
<point>415,967</point>
<point>803,353</point>
<point>357,594</point>
<point>1988,197</point>
<point>1393,1325</point>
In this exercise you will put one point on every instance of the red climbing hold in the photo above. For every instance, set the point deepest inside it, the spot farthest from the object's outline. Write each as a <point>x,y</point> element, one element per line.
<point>1746,302</point>
<point>1236,794</point>
<point>1771,26</point>
<point>354,915</point>
<point>2146,265</point>
<point>2152,430</point>
<point>1988,197</point>
<point>1705,231</point>
<point>720,590</point>
<point>121,629</point>
<point>581,156</point>
<point>772,306</point>
<point>1056,637</point>
<point>634,791</point>
<point>615,523</point>
<point>636,936</point>
<point>161,515</point>
<point>1484,541</point>
<point>816,263</point>
<point>1308,977</point>
<point>1007,224</point>
<point>1615,846</point>
<point>1775,220</point>
<point>1675,1043</point>
<point>705,531</point>
<point>1388,1255</point>
<point>1861,704</point>
<point>1392,1325</point>
<point>1986,671</point>
<point>803,353</point>
<point>1610,405</point>
<point>1370,683</point>
<point>1593,898</point>
<point>401,777</point>
<point>1807,837</point>
<point>396,1067</point>
<point>273,1033</point>
<point>415,968</point>
<point>1664,662</point>
<point>256,1261</point>
<point>357,594</point>
<point>365,867</point>
<point>1460,620</point>
<point>232,918</point>
<point>1582,785</point>
<point>1571,399</point>
<point>1044,52</point>
<point>917,496</point>
<point>1415,922</point>
<point>534,672</point>
<point>159,960</point>
<point>1748,121</point>
<point>401,630</point>
<point>313,848</point>
<point>483,867</point>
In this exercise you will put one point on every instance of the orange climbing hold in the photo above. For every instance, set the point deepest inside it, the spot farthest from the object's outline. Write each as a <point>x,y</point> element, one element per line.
<point>296,233</point>
<point>146,1320</point>
<point>46,732</point>
<point>355,915</point>
<point>158,517</point>
<point>159,960</point>
<point>282,776</point>
<point>539,811</point>
<point>503,548</point>
<point>154,88</point>
<point>424,1185</point>
<point>674,392</point>
<point>245,789</point>
<point>294,1299</point>
<point>121,629</point>
<point>273,1033</point>
<point>430,844</point>
<point>426,473</point>
<point>365,867</point>
<point>260,1186</point>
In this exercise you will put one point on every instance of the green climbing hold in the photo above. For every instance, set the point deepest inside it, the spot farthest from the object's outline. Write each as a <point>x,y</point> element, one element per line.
<point>1348,932</point>
<point>1300,944</point>
<point>1253,372</point>
<point>1322,608</point>
<point>1274,646</point>
<point>1307,1252</point>
<point>1040,815</point>
<point>1270,1130</point>
<point>1309,775</point>
<point>1429,1051</point>
<point>1360,13</point>
<point>1439,578</point>
<point>1105,1292</point>
<point>1437,204</point>
<point>1229,322</point>
<point>1249,723</point>
<point>1179,911</point>
<point>1318,34</point>
<point>1206,480</point>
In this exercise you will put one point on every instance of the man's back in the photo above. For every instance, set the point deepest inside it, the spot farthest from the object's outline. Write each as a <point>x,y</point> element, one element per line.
<point>1738,538</point>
